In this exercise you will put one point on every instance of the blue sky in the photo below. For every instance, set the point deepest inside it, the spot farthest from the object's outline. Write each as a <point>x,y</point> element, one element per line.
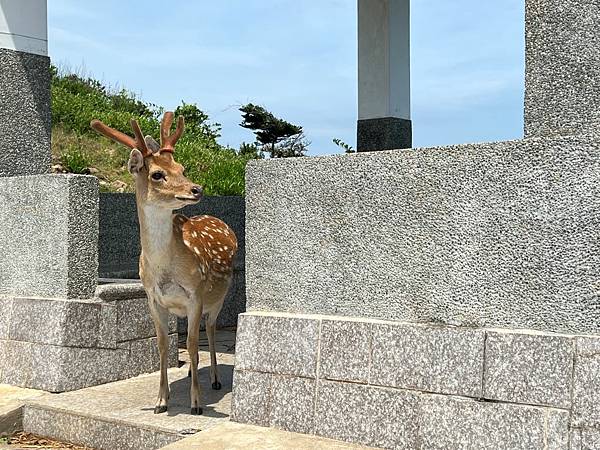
<point>298,59</point>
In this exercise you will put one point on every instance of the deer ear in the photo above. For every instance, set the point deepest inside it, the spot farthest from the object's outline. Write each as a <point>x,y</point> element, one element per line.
<point>136,161</point>
<point>152,144</point>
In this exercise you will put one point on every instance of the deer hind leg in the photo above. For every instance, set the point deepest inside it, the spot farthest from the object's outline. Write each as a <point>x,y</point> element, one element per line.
<point>194,316</point>
<point>160,317</point>
<point>210,333</point>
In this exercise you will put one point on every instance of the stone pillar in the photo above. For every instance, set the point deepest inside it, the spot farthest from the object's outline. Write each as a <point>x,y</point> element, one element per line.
<point>383,75</point>
<point>24,88</point>
<point>562,81</point>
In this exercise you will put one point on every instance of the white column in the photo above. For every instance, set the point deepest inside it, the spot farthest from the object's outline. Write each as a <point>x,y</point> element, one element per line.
<point>23,26</point>
<point>384,73</point>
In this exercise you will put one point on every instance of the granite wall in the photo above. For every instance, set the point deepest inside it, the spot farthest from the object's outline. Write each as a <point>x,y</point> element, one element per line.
<point>562,77</point>
<point>498,234</point>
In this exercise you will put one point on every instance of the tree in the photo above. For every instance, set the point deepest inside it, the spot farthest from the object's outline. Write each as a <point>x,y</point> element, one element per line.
<point>278,137</point>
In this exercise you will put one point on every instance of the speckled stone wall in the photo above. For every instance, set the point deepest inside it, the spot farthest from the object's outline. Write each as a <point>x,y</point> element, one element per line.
<point>49,236</point>
<point>414,386</point>
<point>24,113</point>
<point>562,81</point>
<point>499,234</point>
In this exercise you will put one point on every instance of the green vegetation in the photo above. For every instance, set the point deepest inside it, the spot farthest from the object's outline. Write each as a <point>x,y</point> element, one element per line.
<point>281,139</point>
<point>346,147</point>
<point>76,148</point>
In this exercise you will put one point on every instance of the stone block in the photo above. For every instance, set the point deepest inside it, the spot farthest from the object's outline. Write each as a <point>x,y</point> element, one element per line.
<point>277,344</point>
<point>386,133</point>
<point>586,391</point>
<point>590,440</point>
<point>57,369</point>
<point>562,77</point>
<point>434,359</point>
<point>345,350</point>
<point>588,346</point>
<point>57,322</point>
<point>24,113</point>
<point>119,289</point>
<point>49,239</point>
<point>250,401</point>
<point>134,320</point>
<point>575,439</point>
<point>107,329</point>
<point>292,403</point>
<point>367,415</point>
<point>483,235</point>
<point>448,422</point>
<point>529,368</point>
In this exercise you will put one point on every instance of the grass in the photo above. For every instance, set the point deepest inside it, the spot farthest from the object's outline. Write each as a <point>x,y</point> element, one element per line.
<point>88,153</point>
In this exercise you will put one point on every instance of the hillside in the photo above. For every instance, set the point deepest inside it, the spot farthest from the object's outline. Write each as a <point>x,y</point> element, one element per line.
<point>76,148</point>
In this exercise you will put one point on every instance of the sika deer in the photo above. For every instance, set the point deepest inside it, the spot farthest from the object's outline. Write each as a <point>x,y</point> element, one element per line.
<point>185,264</point>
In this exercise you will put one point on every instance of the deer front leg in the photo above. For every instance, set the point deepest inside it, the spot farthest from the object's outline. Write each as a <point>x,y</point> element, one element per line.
<point>160,317</point>
<point>194,316</point>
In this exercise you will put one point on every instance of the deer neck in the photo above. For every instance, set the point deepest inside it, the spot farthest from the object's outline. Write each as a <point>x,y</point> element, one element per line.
<point>156,231</point>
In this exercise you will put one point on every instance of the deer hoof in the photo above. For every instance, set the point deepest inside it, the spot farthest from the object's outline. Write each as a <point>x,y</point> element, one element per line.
<point>196,411</point>
<point>160,409</point>
<point>216,386</point>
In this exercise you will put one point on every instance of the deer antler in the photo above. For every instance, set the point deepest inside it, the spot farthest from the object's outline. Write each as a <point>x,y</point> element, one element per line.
<point>138,143</point>
<point>167,140</point>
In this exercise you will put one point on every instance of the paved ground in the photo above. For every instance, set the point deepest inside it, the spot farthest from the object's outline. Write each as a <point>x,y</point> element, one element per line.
<point>235,436</point>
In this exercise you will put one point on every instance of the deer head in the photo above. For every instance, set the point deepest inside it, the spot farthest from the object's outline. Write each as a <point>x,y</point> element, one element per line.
<point>159,178</point>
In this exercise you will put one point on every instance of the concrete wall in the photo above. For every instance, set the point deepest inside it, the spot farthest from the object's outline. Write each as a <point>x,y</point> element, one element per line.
<point>49,236</point>
<point>119,242</point>
<point>500,234</point>
<point>562,80</point>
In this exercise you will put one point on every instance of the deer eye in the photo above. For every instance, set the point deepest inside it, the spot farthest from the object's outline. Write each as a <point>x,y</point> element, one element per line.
<point>157,176</point>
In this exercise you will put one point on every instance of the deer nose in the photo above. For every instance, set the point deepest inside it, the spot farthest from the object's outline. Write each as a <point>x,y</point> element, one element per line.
<point>197,191</point>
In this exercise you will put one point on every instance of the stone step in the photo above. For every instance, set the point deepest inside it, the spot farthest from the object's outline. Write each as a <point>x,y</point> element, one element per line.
<point>119,415</point>
<point>12,399</point>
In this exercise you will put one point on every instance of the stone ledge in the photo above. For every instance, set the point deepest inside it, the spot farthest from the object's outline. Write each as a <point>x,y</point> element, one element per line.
<point>102,434</point>
<point>90,323</point>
